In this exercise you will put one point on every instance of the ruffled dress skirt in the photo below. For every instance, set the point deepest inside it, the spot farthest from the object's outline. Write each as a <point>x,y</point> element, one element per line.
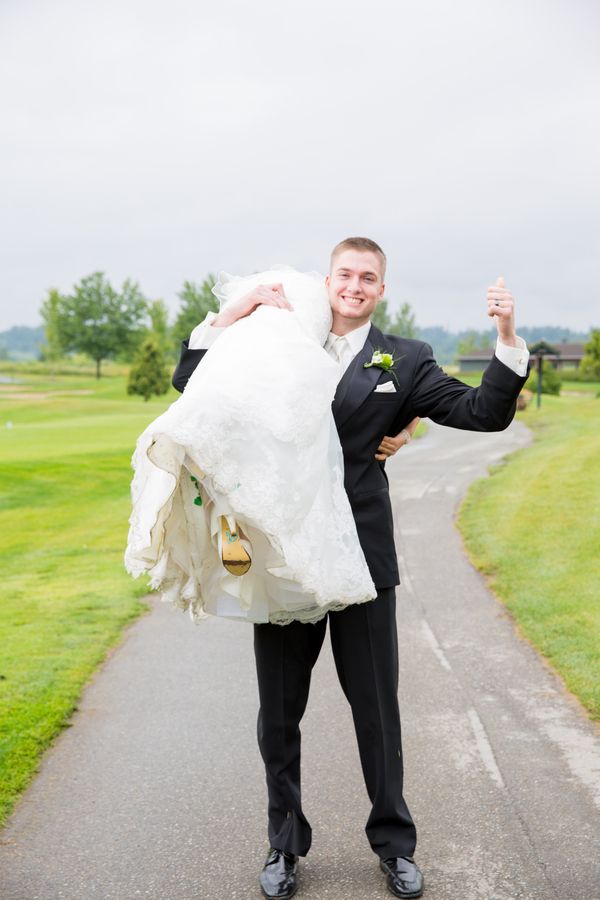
<point>252,437</point>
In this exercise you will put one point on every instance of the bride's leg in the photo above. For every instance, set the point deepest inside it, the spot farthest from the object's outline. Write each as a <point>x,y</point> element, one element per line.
<point>285,656</point>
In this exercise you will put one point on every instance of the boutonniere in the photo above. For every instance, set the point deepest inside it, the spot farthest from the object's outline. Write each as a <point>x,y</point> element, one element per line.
<point>385,361</point>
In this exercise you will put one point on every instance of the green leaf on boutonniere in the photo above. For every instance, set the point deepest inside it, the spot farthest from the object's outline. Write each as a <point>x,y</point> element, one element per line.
<point>383,360</point>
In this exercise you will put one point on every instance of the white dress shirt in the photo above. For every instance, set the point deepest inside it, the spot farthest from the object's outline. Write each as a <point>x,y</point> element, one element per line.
<point>204,335</point>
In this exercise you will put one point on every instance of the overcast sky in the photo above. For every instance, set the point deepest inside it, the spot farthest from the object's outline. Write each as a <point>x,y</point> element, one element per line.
<point>161,141</point>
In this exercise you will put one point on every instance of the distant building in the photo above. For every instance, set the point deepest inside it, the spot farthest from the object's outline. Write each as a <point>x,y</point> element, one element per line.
<point>569,357</point>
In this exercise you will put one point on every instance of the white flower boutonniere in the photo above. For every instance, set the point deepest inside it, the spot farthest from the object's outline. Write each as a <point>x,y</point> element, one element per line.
<point>382,360</point>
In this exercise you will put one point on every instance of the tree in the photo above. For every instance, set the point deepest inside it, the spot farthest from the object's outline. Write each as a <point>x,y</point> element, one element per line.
<point>148,374</point>
<point>196,302</point>
<point>50,313</point>
<point>402,323</point>
<point>381,317</point>
<point>96,319</point>
<point>468,344</point>
<point>590,364</point>
<point>159,323</point>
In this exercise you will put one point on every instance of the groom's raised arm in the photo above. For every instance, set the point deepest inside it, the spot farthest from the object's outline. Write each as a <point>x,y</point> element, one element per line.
<point>448,401</point>
<point>491,406</point>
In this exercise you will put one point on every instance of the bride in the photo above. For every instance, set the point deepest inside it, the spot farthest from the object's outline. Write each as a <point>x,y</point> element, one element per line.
<point>239,506</point>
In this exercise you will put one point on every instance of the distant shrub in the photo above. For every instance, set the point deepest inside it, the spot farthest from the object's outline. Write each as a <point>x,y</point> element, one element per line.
<point>575,375</point>
<point>551,380</point>
<point>148,374</point>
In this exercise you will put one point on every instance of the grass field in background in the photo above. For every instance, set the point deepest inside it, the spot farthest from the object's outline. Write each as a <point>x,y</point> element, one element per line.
<point>534,528</point>
<point>65,449</point>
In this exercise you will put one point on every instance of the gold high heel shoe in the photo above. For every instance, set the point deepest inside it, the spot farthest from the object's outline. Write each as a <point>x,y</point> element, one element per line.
<point>234,555</point>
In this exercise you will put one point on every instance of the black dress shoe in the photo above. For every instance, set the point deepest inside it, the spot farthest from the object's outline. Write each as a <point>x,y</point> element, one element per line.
<point>278,877</point>
<point>404,877</point>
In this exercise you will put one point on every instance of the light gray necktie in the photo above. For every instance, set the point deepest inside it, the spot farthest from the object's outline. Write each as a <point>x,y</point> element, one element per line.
<point>340,349</point>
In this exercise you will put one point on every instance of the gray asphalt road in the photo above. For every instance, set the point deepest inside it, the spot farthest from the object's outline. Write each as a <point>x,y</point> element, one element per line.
<point>157,788</point>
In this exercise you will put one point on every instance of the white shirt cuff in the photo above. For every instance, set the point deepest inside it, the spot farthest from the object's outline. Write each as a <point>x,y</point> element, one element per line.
<point>204,335</point>
<point>516,358</point>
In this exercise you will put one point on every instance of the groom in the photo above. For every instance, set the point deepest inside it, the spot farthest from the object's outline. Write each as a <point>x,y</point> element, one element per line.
<point>371,402</point>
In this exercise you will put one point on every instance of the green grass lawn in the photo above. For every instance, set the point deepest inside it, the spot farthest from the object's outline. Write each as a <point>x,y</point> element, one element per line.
<point>534,528</point>
<point>65,449</point>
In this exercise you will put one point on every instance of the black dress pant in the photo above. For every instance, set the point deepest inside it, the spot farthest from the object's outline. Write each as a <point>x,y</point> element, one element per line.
<point>365,648</point>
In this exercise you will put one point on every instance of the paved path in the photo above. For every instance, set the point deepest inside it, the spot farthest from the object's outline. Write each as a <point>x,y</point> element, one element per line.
<point>157,788</point>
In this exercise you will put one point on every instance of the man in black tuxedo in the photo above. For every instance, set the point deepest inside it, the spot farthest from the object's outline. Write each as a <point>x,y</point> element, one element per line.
<point>371,404</point>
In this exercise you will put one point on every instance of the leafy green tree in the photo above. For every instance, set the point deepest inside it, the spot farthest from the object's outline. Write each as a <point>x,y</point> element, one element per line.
<point>50,312</point>
<point>590,364</point>
<point>96,319</point>
<point>148,374</point>
<point>196,302</point>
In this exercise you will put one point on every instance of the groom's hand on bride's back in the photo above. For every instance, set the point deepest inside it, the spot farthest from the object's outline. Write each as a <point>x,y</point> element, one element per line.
<point>263,295</point>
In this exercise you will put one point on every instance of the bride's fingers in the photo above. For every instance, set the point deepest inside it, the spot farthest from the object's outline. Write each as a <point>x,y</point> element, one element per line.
<point>271,295</point>
<point>281,301</point>
<point>278,296</point>
<point>387,448</point>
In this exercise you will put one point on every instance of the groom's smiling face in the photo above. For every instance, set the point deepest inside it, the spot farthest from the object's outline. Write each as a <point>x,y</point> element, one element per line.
<point>355,286</point>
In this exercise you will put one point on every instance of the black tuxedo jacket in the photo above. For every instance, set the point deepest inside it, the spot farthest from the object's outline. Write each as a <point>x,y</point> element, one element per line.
<point>363,416</point>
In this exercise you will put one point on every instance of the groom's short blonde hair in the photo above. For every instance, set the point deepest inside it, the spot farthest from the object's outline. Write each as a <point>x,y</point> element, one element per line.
<point>362,244</point>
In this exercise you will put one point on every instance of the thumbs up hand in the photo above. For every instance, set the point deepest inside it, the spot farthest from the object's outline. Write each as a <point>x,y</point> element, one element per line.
<point>501,307</point>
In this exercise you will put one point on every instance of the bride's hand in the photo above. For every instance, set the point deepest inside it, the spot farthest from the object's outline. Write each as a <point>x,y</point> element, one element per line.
<point>391,445</point>
<point>263,295</point>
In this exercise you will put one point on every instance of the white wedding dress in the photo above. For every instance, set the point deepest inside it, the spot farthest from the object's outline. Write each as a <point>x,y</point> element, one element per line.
<point>255,430</point>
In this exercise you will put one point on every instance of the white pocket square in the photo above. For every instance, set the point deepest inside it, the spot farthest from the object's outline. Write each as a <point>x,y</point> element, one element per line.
<point>386,388</point>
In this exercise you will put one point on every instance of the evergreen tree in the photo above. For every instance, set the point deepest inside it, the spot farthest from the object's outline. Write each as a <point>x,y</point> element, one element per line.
<point>404,322</point>
<point>148,374</point>
<point>381,317</point>
<point>401,323</point>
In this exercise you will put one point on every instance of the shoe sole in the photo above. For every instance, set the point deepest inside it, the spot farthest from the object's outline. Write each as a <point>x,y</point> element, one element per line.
<point>234,556</point>
<point>404,896</point>
<point>278,896</point>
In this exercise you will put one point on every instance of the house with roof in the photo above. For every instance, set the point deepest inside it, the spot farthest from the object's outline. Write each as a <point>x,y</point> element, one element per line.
<point>569,356</point>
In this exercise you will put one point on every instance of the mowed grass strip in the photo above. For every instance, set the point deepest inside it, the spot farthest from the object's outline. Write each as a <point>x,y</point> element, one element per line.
<point>533,527</point>
<point>65,597</point>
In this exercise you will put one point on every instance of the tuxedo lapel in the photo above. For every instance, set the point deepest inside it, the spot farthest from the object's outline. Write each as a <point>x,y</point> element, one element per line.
<point>357,382</point>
